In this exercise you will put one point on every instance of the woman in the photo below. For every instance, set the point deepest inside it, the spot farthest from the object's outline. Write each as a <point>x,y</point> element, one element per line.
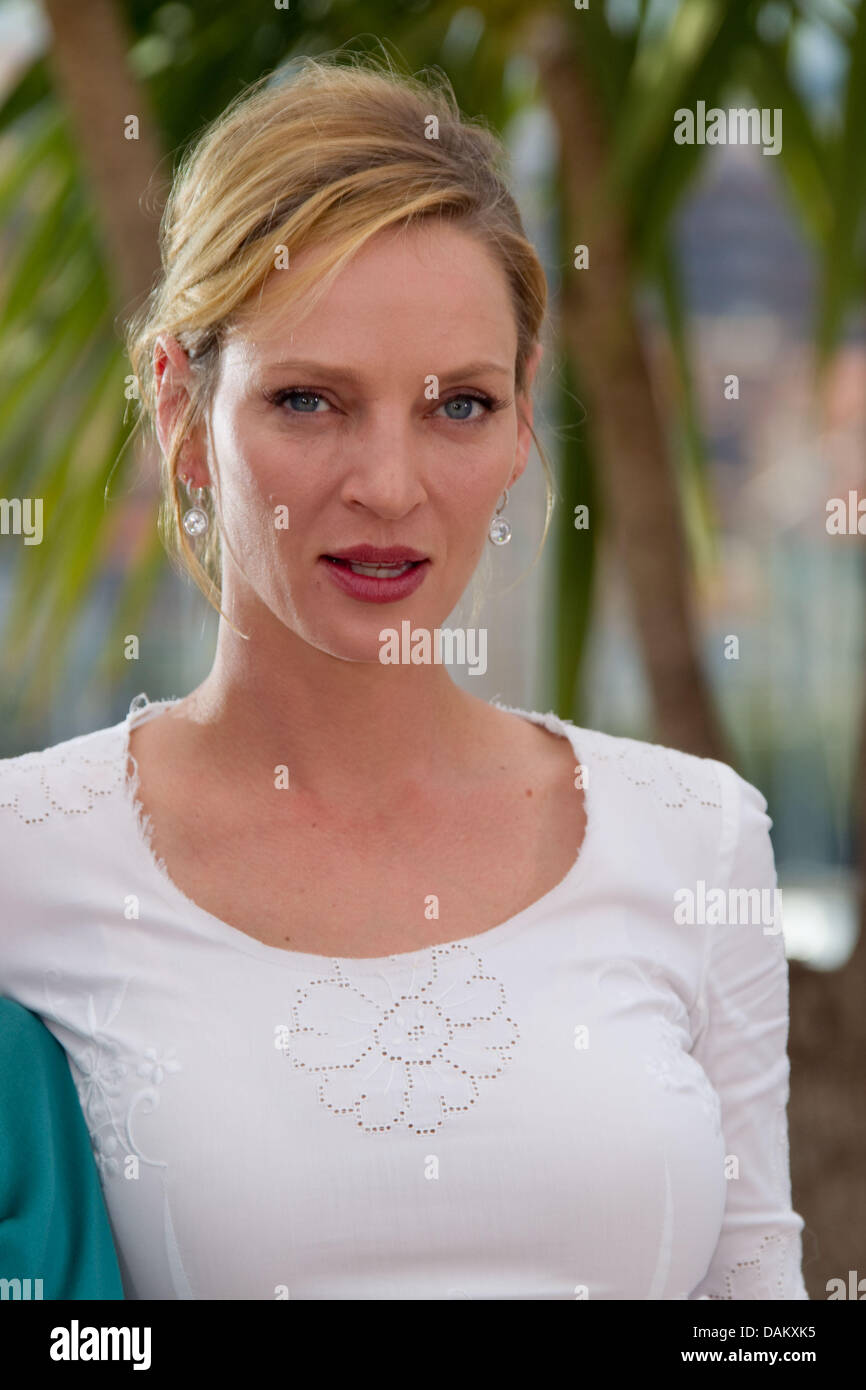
<point>376,990</point>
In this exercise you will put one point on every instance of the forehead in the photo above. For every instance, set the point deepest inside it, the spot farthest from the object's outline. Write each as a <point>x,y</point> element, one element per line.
<point>409,297</point>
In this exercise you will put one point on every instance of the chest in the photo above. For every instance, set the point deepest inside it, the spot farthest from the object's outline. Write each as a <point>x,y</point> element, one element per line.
<point>356,1160</point>
<point>387,883</point>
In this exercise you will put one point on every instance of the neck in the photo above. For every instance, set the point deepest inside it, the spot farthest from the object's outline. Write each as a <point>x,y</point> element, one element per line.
<point>344,729</point>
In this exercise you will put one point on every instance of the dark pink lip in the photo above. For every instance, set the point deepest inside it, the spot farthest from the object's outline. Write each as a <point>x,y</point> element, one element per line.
<point>369,589</point>
<point>377,554</point>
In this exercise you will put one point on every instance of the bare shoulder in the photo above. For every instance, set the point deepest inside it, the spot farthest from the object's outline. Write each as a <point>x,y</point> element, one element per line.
<point>543,757</point>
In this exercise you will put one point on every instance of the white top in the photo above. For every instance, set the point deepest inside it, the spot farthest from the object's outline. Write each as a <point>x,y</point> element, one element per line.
<point>586,1101</point>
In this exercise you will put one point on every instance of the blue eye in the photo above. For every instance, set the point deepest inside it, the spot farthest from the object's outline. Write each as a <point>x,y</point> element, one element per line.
<point>486,401</point>
<point>280,397</point>
<point>310,399</point>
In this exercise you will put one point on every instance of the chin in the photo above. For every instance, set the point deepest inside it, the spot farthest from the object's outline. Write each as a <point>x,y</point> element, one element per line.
<point>356,637</point>
<point>346,641</point>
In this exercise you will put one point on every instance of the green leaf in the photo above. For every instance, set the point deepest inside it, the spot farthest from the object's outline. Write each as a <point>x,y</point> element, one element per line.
<point>689,62</point>
<point>45,383</point>
<point>72,508</point>
<point>574,561</point>
<point>844,270</point>
<point>33,89</point>
<point>43,251</point>
<point>693,472</point>
<point>803,157</point>
<point>140,584</point>
<point>574,565</point>
<point>44,141</point>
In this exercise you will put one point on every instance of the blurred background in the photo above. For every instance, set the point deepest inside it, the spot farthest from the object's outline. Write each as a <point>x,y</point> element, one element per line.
<point>702,397</point>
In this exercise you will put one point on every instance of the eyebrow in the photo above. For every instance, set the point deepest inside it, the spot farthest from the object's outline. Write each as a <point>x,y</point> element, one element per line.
<point>308,368</point>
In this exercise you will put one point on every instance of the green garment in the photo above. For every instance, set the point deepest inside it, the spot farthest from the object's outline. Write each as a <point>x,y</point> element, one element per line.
<point>53,1221</point>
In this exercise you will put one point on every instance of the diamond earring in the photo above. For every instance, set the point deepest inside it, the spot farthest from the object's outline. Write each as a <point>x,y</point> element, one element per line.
<point>499,531</point>
<point>195,518</point>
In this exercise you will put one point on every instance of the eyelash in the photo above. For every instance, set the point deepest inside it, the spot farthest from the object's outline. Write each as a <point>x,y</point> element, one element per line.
<point>491,403</point>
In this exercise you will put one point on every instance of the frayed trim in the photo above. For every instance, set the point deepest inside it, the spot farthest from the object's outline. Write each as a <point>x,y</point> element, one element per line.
<point>132,779</point>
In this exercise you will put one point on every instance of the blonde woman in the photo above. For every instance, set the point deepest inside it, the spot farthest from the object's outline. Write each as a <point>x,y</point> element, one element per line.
<point>372,989</point>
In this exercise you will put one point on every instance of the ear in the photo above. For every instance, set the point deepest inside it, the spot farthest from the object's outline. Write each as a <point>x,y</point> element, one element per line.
<point>172,373</point>
<point>524,415</point>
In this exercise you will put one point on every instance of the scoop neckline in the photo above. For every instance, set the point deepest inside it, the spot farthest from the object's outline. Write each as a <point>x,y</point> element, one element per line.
<point>213,927</point>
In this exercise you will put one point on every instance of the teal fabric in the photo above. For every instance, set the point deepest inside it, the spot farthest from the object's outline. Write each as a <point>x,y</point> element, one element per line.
<point>53,1221</point>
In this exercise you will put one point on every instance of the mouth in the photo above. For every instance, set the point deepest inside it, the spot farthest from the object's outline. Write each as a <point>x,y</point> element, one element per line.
<point>372,579</point>
<point>382,570</point>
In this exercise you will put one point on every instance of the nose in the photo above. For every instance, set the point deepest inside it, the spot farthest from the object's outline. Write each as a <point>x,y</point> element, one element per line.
<point>384,465</point>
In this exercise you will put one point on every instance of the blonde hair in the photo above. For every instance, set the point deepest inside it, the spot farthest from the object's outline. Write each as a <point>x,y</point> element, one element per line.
<point>323,157</point>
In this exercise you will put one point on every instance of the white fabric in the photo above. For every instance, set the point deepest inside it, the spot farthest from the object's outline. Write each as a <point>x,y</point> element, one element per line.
<point>587,1101</point>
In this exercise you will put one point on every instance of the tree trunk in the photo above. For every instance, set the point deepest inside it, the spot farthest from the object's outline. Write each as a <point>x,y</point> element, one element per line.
<point>827,1040</point>
<point>827,1114</point>
<point>600,326</point>
<point>99,92</point>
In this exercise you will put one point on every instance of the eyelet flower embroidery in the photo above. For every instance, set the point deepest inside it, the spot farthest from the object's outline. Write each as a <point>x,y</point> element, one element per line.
<point>677,1070</point>
<point>107,1153</point>
<point>407,1047</point>
<point>773,1272</point>
<point>672,1066</point>
<point>105,1084</point>
<point>101,1075</point>
<point>674,778</point>
<point>67,779</point>
<point>155,1068</point>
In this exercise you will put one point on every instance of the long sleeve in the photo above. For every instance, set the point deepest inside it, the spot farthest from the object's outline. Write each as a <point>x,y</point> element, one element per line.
<point>742,1046</point>
<point>55,1237</point>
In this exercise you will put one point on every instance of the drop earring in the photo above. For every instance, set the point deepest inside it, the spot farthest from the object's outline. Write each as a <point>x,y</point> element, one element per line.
<point>195,518</point>
<point>499,531</point>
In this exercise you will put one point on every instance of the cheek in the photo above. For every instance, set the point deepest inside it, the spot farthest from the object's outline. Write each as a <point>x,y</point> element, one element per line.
<point>259,473</point>
<point>261,469</point>
<point>477,485</point>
